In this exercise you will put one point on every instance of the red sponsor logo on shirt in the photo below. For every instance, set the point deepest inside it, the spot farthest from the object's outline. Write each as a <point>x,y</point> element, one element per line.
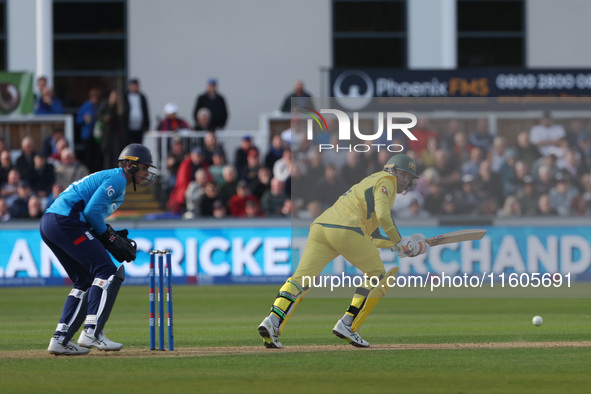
<point>384,190</point>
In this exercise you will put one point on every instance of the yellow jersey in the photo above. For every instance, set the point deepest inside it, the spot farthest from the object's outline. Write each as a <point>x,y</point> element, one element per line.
<point>365,207</point>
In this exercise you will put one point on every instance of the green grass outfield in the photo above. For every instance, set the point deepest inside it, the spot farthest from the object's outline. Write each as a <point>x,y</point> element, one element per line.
<point>219,349</point>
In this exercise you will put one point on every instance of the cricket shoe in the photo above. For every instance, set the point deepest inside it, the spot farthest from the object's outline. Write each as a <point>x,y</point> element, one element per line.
<point>270,334</point>
<point>101,343</point>
<point>345,332</point>
<point>69,349</point>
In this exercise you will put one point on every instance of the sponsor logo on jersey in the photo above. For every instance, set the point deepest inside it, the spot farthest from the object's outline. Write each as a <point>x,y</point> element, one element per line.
<point>384,190</point>
<point>79,240</point>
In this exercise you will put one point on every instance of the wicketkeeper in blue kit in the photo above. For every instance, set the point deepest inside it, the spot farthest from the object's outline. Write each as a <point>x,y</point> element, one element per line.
<point>74,228</point>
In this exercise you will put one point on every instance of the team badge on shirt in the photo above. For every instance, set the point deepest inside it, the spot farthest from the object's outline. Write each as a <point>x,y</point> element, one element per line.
<point>384,190</point>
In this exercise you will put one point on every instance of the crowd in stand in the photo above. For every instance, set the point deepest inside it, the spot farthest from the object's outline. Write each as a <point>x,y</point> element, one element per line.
<point>546,171</point>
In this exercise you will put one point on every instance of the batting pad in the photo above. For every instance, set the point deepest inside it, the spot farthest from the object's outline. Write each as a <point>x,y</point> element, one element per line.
<point>372,299</point>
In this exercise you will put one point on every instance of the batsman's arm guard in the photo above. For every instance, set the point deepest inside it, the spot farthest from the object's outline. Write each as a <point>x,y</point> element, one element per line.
<point>110,288</point>
<point>372,299</point>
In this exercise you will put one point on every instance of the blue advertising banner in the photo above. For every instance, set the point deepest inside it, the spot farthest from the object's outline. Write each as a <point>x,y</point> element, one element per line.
<point>254,255</point>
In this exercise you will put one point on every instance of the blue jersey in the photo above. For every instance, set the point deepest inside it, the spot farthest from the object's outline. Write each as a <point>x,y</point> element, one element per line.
<point>98,194</point>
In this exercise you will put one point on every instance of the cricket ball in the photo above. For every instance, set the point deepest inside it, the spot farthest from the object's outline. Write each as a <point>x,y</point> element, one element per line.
<point>537,320</point>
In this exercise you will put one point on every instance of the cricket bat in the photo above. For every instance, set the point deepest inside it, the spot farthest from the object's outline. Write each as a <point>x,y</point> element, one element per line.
<point>456,236</point>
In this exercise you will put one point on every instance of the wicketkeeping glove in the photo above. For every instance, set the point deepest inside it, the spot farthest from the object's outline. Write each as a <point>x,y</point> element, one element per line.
<point>122,248</point>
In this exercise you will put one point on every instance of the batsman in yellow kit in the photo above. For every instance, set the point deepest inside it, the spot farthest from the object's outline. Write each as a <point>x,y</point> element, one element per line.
<point>351,228</point>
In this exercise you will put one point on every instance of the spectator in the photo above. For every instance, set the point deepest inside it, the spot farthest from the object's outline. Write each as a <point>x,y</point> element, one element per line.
<point>508,173</point>
<point>70,169</point>
<point>575,130</point>
<point>25,163</point>
<point>515,183</point>
<point>203,119</point>
<point>282,167</point>
<point>34,210</point>
<point>275,151</point>
<point>252,209</point>
<point>528,196</point>
<point>9,190</point>
<point>423,132</point>
<point>545,206</point>
<point>194,191</point>
<point>50,143</point>
<point>403,202</point>
<point>449,206</point>
<point>250,172</point>
<point>423,185</point>
<point>237,202</point>
<point>481,137</point>
<point>449,171</point>
<point>511,208</point>
<point>263,182</point>
<point>219,209</point>
<point>329,188</point>
<point>579,206</point>
<point>562,194</point>
<point>216,104</point>
<point>446,137</point>
<point>584,149</point>
<point>354,169</point>
<point>471,166</point>
<point>299,187</point>
<point>286,209</point>
<point>185,174</point>
<point>216,170</point>
<point>488,185</point>
<point>228,186</point>
<point>545,179</point>
<point>526,151</point>
<point>301,98</point>
<point>273,200</point>
<point>41,83</point>
<point>19,207</point>
<point>547,136</point>
<point>211,145</point>
<point>499,154</point>
<point>136,113</point>
<point>434,199</point>
<point>461,148</point>
<point>4,212</point>
<point>313,210</point>
<point>293,136</point>
<point>175,157</point>
<point>241,154</point>
<point>207,199</point>
<point>171,121</point>
<point>56,157</point>
<point>572,165</point>
<point>56,189</point>
<point>113,138</point>
<point>85,120</point>
<point>43,176</point>
<point>47,104</point>
<point>416,211</point>
<point>5,166</point>
<point>428,154</point>
<point>466,199</point>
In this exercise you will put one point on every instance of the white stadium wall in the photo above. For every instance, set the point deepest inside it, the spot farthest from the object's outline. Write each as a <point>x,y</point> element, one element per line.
<point>557,33</point>
<point>256,49</point>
